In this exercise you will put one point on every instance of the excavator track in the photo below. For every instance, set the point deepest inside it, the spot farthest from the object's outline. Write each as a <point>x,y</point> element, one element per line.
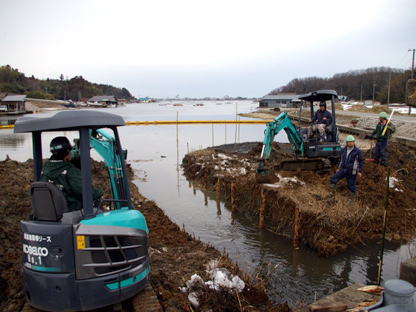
<point>144,301</point>
<point>305,164</point>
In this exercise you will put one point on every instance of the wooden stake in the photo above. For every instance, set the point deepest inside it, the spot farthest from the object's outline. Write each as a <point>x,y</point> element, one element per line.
<point>205,180</point>
<point>232,197</point>
<point>262,208</point>
<point>297,225</point>
<point>218,188</point>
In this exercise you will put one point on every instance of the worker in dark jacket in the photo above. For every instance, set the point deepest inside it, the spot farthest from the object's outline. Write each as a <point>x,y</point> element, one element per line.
<point>381,144</point>
<point>350,165</point>
<point>61,172</point>
<point>322,118</point>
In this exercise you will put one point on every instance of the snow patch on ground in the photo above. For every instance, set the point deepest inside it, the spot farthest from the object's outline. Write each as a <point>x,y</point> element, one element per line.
<point>284,181</point>
<point>220,278</point>
<point>392,184</point>
<point>396,107</point>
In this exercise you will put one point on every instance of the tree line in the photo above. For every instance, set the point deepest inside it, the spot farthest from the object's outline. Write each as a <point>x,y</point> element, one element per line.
<point>359,85</point>
<point>76,88</point>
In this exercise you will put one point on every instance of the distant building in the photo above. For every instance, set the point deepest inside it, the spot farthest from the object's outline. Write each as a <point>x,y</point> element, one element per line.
<point>14,103</point>
<point>105,100</point>
<point>342,98</point>
<point>284,100</point>
<point>145,100</point>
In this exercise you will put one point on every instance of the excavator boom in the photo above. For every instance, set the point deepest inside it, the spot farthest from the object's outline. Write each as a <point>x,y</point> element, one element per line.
<point>264,174</point>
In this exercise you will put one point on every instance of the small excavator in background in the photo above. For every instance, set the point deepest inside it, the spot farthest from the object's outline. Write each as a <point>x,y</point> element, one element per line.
<point>89,258</point>
<point>309,152</point>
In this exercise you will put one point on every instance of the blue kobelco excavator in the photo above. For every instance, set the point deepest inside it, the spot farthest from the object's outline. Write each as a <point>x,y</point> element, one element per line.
<point>311,152</point>
<point>89,258</point>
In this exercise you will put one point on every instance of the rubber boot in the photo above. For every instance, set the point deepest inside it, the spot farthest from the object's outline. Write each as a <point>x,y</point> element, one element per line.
<point>332,189</point>
<point>351,197</point>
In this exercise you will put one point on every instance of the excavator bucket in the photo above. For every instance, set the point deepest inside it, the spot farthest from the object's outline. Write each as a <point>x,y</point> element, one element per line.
<point>266,176</point>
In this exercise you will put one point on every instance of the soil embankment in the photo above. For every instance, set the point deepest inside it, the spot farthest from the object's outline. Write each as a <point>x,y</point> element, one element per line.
<point>176,256</point>
<point>329,225</point>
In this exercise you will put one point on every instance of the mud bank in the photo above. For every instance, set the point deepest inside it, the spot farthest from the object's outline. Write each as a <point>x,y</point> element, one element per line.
<point>327,225</point>
<point>175,255</point>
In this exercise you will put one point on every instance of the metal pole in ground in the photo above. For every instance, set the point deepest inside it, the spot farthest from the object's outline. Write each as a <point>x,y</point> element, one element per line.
<point>386,206</point>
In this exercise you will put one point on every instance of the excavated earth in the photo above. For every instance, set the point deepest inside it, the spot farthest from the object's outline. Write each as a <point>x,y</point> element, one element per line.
<point>175,255</point>
<point>328,225</point>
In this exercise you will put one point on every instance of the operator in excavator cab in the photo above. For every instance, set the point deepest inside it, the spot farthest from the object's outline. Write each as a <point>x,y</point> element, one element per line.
<point>321,120</point>
<point>60,171</point>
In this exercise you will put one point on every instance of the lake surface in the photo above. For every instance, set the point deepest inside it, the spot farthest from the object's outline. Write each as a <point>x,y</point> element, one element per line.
<point>156,152</point>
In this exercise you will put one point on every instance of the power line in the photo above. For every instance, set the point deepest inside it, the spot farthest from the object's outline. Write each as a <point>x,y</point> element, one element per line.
<point>413,61</point>
<point>398,64</point>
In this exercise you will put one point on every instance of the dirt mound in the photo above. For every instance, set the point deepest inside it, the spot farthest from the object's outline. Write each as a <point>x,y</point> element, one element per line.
<point>175,256</point>
<point>328,225</point>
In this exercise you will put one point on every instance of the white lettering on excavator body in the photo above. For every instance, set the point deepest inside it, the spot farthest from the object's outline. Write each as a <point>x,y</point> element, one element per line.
<point>35,251</point>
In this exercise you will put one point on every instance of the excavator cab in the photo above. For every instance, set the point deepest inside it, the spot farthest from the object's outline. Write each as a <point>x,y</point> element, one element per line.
<point>310,153</point>
<point>92,257</point>
<point>330,147</point>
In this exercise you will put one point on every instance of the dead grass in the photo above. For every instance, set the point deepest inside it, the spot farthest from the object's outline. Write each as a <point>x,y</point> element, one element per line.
<point>202,153</point>
<point>329,225</point>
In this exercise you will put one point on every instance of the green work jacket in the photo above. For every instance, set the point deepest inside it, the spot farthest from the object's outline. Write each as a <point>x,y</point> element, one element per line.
<point>377,133</point>
<point>68,178</point>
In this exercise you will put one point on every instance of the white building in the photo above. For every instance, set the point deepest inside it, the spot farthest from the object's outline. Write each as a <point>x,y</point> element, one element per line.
<point>284,100</point>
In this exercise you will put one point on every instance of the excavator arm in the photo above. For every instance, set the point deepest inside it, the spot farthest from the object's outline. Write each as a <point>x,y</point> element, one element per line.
<point>282,122</point>
<point>104,144</point>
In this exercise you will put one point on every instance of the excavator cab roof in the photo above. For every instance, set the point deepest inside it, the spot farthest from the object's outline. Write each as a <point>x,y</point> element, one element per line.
<point>68,120</point>
<point>318,96</point>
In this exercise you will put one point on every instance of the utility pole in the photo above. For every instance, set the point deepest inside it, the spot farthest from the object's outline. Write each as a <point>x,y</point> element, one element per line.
<point>411,77</point>
<point>388,91</point>
<point>374,89</point>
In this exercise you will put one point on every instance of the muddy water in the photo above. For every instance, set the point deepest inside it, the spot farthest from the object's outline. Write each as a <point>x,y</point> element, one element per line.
<point>155,152</point>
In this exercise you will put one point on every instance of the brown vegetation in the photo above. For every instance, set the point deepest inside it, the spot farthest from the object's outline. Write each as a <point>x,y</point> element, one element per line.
<point>328,225</point>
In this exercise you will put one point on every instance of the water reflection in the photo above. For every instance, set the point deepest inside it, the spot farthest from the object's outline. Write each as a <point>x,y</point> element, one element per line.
<point>12,141</point>
<point>8,120</point>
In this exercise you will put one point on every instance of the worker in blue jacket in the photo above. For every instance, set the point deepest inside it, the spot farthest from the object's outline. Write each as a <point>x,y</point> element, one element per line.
<point>350,165</point>
<point>320,121</point>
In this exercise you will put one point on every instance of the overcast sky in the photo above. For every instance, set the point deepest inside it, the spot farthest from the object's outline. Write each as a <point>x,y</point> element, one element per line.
<point>195,48</point>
